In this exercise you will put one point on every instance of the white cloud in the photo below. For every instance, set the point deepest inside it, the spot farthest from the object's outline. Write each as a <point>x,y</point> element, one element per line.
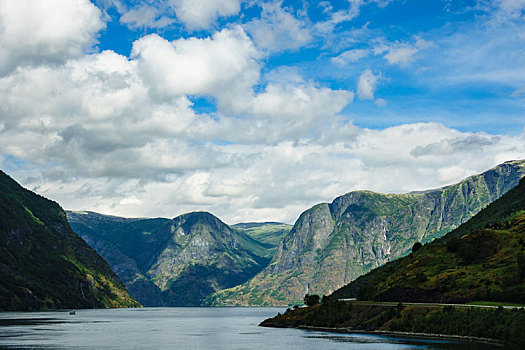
<point>486,52</point>
<point>345,14</point>
<point>45,31</point>
<point>350,56</point>
<point>119,135</point>
<point>366,85</point>
<point>224,65</point>
<point>194,14</point>
<point>514,8</point>
<point>278,29</point>
<point>201,14</point>
<point>503,10</point>
<point>133,141</point>
<point>380,102</point>
<point>291,112</point>
<point>133,200</point>
<point>279,181</point>
<point>403,53</point>
<point>145,16</point>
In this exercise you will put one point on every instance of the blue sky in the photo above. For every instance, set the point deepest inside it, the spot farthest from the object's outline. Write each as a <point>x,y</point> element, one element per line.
<point>255,110</point>
<point>423,86</point>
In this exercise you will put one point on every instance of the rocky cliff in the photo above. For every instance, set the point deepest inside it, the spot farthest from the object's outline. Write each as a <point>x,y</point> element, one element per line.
<point>332,244</point>
<point>181,261</point>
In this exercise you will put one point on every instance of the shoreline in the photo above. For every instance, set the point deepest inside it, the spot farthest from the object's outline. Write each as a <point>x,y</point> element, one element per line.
<point>405,334</point>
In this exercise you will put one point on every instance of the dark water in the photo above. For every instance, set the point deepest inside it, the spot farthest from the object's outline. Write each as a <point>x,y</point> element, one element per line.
<point>182,328</point>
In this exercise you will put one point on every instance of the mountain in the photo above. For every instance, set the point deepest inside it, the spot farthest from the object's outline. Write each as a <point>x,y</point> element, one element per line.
<point>43,263</point>
<point>117,240</point>
<point>261,238</point>
<point>482,260</point>
<point>178,262</point>
<point>332,244</point>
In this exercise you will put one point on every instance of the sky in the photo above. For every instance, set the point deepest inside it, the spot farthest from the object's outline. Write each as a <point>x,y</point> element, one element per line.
<point>255,110</point>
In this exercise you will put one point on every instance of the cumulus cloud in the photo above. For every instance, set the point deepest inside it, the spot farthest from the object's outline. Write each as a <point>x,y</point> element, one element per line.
<point>145,16</point>
<point>34,32</point>
<point>456,145</point>
<point>134,141</point>
<point>201,14</point>
<point>278,29</point>
<point>380,102</point>
<point>120,135</point>
<point>292,112</point>
<point>130,201</point>
<point>279,181</point>
<point>193,14</point>
<point>224,65</point>
<point>366,85</point>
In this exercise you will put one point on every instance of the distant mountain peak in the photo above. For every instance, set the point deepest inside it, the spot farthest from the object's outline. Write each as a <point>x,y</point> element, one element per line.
<point>179,261</point>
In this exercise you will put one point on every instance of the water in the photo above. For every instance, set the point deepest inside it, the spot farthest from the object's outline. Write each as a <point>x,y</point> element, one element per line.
<point>182,328</point>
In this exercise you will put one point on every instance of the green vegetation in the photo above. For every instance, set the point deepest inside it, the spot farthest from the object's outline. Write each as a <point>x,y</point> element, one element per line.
<point>261,239</point>
<point>43,264</point>
<point>492,323</point>
<point>128,235</point>
<point>332,244</point>
<point>311,299</point>
<point>482,260</point>
<point>178,262</point>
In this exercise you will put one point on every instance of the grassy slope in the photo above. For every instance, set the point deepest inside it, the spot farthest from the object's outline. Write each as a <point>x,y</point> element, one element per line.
<point>477,261</point>
<point>261,239</point>
<point>43,264</point>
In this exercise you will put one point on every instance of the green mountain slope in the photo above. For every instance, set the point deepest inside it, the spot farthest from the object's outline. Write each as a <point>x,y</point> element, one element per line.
<point>482,260</point>
<point>43,263</point>
<point>119,240</point>
<point>178,262</point>
<point>332,244</point>
<point>261,239</point>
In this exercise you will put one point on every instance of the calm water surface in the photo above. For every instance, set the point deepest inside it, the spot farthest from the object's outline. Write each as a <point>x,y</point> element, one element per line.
<point>182,328</point>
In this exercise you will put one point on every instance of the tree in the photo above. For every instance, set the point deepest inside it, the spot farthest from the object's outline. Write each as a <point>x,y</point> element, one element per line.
<point>521,265</point>
<point>416,247</point>
<point>453,244</point>
<point>311,299</point>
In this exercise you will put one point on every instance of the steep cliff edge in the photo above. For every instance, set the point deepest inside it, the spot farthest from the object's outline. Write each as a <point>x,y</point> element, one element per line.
<point>332,244</point>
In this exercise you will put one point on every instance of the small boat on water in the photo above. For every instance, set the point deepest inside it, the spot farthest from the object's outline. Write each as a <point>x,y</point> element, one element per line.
<point>72,312</point>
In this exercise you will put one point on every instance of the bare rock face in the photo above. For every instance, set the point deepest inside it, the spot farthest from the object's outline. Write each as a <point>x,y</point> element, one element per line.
<point>332,244</point>
<point>199,255</point>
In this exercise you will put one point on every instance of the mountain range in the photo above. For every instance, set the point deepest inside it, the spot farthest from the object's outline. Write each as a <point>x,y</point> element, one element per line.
<point>196,259</point>
<point>181,261</point>
<point>43,263</point>
<point>332,244</point>
<point>482,263</point>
